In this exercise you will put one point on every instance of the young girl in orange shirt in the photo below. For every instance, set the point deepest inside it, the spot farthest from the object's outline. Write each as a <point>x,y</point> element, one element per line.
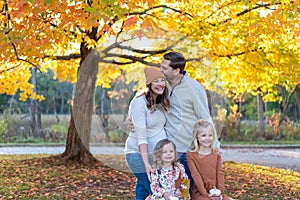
<point>205,164</point>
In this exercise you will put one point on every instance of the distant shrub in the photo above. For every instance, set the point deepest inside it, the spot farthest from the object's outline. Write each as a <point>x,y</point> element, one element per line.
<point>116,136</point>
<point>248,132</point>
<point>3,130</point>
<point>56,133</point>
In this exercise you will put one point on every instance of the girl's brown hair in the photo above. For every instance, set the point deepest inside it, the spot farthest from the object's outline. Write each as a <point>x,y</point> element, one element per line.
<point>161,100</point>
<point>158,151</point>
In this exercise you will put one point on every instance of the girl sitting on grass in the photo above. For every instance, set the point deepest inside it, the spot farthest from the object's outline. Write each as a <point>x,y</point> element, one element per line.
<point>205,164</point>
<point>169,181</point>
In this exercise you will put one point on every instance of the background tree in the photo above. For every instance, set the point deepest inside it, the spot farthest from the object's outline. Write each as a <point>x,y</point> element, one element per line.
<point>253,45</point>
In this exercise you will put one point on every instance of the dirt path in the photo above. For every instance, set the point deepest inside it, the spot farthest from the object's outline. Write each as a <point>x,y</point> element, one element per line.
<point>286,158</point>
<point>279,158</point>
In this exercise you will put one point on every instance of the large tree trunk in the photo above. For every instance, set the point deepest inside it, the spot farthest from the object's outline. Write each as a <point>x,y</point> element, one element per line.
<point>75,149</point>
<point>77,146</point>
<point>260,109</point>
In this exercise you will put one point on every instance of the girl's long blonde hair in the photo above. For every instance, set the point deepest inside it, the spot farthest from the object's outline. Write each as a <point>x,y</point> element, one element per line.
<point>158,151</point>
<point>200,125</point>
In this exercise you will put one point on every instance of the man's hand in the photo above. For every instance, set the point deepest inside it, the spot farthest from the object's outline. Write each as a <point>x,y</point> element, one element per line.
<point>217,145</point>
<point>130,124</point>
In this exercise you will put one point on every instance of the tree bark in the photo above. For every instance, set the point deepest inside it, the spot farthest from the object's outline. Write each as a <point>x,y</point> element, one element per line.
<point>62,105</point>
<point>104,114</point>
<point>240,111</point>
<point>287,103</point>
<point>54,110</point>
<point>77,146</point>
<point>39,119</point>
<point>297,94</point>
<point>75,149</point>
<point>260,109</point>
<point>33,107</point>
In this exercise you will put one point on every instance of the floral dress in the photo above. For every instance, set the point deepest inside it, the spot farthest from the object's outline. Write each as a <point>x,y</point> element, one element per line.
<point>165,180</point>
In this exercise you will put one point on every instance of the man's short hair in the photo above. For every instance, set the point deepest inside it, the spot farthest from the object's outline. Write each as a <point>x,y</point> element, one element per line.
<point>177,60</point>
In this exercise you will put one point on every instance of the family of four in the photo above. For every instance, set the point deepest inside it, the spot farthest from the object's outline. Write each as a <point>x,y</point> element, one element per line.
<point>172,144</point>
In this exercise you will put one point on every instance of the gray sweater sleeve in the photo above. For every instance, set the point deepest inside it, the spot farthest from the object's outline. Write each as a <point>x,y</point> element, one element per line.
<point>138,112</point>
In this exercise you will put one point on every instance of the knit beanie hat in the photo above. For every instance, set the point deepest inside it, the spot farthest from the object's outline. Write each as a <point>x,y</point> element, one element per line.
<point>152,73</point>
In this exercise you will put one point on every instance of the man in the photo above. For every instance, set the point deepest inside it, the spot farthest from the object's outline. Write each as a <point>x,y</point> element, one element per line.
<point>188,101</point>
<point>188,104</point>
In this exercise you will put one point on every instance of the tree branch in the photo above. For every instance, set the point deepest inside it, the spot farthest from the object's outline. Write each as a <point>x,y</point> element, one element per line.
<point>160,6</point>
<point>66,57</point>
<point>288,100</point>
<point>141,51</point>
<point>194,59</point>
<point>145,51</point>
<point>116,62</point>
<point>220,8</point>
<point>6,70</point>
<point>21,59</point>
<point>133,59</point>
<point>5,12</point>
<point>262,5</point>
<point>236,54</point>
<point>251,9</point>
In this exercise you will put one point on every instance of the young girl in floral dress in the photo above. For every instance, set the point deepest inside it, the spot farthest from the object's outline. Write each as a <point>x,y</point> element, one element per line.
<point>205,164</point>
<point>169,181</point>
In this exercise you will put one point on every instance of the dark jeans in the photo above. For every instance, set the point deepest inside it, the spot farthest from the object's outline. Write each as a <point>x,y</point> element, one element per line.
<point>182,157</point>
<point>142,185</point>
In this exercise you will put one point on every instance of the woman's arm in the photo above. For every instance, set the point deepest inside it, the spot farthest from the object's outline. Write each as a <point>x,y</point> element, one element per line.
<point>143,148</point>
<point>138,112</point>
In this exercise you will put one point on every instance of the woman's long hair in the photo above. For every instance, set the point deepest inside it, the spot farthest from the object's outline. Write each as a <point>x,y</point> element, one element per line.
<point>158,151</point>
<point>198,127</point>
<point>161,100</point>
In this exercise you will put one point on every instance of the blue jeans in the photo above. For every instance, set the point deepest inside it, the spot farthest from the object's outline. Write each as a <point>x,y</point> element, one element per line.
<point>137,167</point>
<point>182,157</point>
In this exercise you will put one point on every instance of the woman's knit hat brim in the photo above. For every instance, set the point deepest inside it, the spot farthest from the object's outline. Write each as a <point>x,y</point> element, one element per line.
<point>152,73</point>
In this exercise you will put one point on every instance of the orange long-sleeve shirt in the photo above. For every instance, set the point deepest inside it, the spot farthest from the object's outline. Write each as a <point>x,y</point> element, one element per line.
<point>207,173</point>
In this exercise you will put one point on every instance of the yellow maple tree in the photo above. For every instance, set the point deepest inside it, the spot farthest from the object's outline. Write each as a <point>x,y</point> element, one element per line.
<point>242,46</point>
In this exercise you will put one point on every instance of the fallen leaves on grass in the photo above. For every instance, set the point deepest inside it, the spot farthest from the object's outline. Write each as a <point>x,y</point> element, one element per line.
<point>48,178</point>
<point>247,181</point>
<point>42,177</point>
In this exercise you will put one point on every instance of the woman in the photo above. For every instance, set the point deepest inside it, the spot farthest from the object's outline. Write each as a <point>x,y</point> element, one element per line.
<point>147,113</point>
